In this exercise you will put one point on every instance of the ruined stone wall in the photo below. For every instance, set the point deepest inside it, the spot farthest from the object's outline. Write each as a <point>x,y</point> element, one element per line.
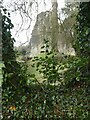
<point>43,30</point>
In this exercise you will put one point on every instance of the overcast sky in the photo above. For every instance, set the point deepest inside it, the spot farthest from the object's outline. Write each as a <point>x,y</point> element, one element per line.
<point>24,36</point>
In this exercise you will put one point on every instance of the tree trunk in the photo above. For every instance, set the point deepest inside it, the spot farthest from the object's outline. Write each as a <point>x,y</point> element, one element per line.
<point>54,25</point>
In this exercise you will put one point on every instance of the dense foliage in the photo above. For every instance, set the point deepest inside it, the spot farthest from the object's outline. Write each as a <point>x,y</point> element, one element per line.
<point>14,73</point>
<point>64,92</point>
<point>83,42</point>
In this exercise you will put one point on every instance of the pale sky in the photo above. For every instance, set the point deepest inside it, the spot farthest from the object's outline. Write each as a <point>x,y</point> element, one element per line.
<point>16,19</point>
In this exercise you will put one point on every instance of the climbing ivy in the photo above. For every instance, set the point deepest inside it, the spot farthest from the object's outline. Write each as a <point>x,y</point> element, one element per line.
<point>12,70</point>
<point>79,66</point>
<point>14,73</point>
<point>82,43</point>
<point>83,30</point>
